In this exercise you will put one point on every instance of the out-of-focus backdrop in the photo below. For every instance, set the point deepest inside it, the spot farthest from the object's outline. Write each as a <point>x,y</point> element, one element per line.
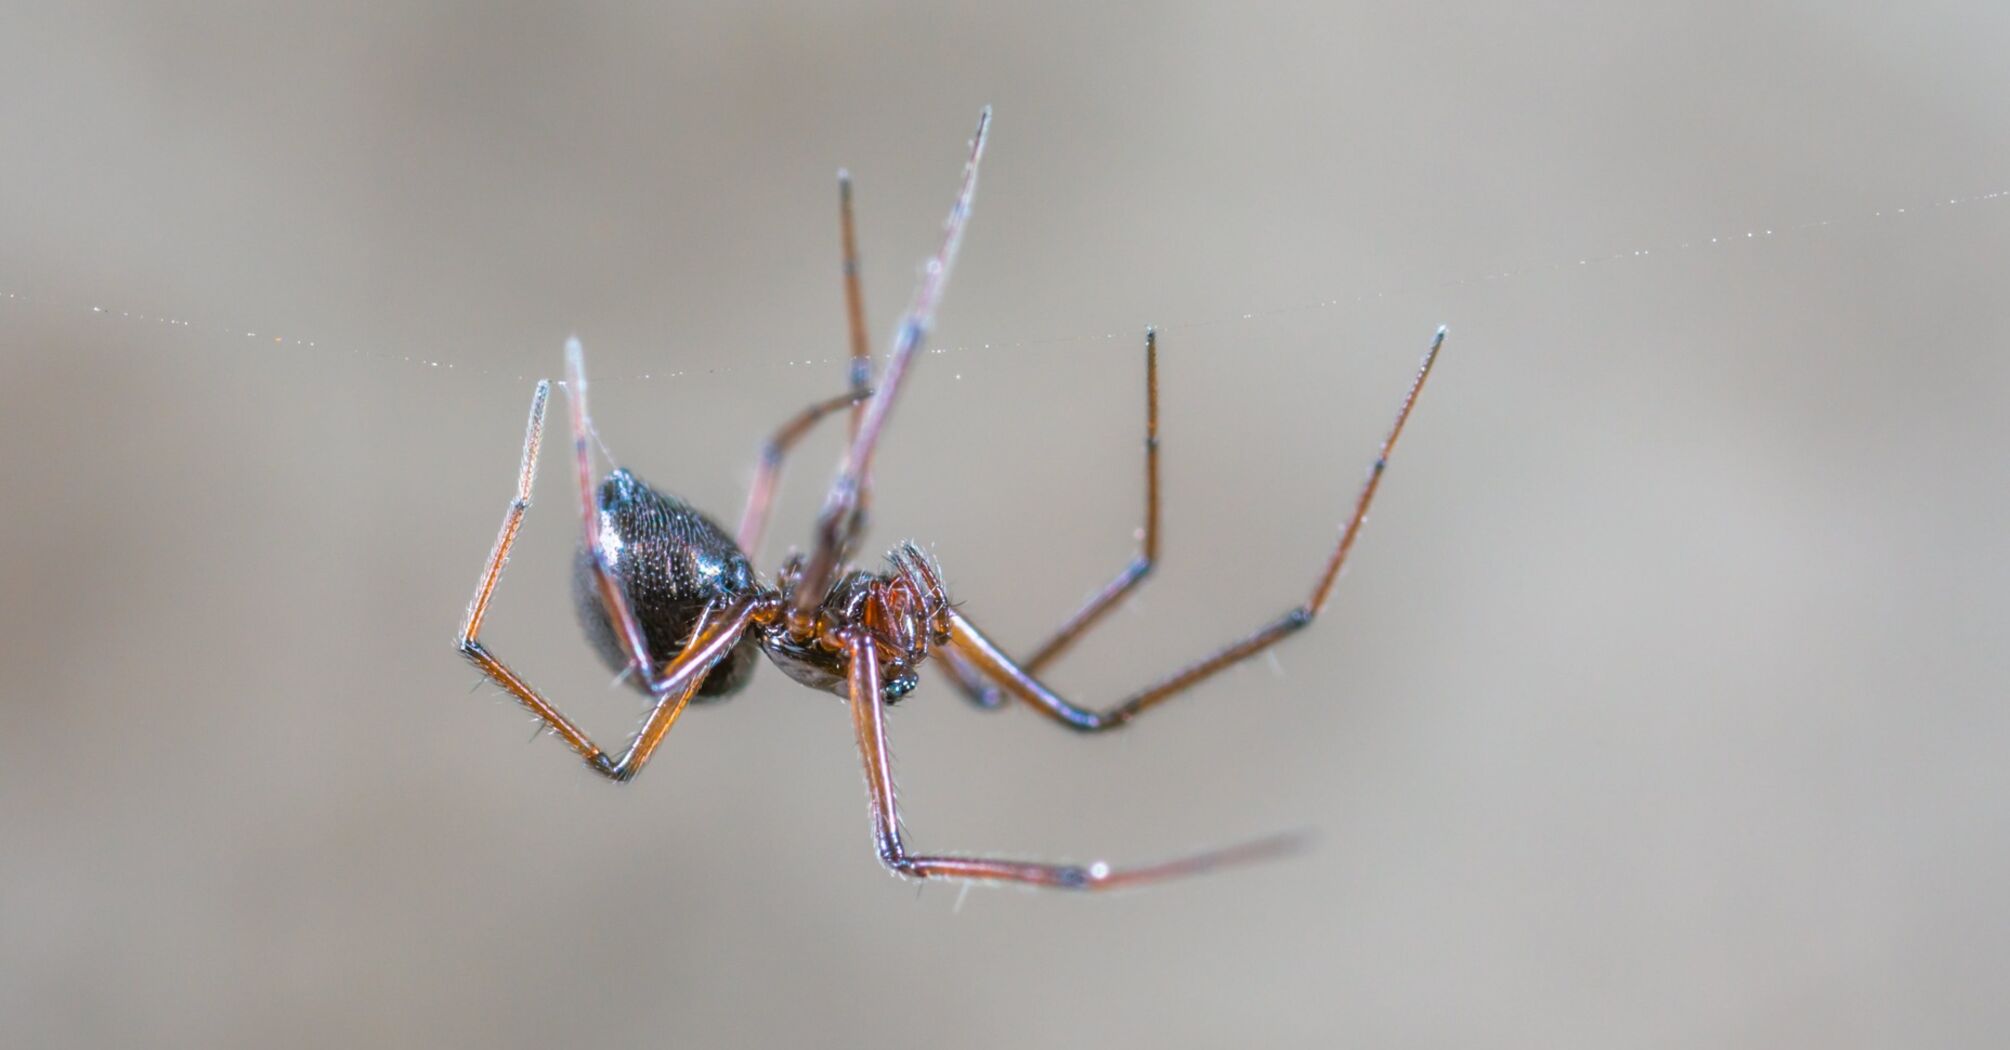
<point>1663,704</point>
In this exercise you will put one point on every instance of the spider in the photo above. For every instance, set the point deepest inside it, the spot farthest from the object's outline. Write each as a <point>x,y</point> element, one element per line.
<point>671,601</point>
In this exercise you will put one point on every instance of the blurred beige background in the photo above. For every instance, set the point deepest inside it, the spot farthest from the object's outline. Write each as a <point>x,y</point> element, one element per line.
<point>1662,706</point>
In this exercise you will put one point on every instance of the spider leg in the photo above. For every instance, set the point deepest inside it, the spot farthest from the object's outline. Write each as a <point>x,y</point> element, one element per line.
<point>627,628</point>
<point>987,658</point>
<point>754,521</point>
<point>485,586</point>
<point>768,475</point>
<point>840,522</point>
<point>972,682</point>
<point>975,687</point>
<point>854,307</point>
<point>712,638</point>
<point>860,374</point>
<point>717,631</point>
<point>868,712</point>
<point>1148,540</point>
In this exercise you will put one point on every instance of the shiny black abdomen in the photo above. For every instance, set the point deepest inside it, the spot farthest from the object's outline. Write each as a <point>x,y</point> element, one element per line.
<point>670,561</point>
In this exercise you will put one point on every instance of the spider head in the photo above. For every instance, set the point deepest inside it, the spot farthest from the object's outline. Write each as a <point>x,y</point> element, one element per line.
<point>908,610</point>
<point>895,686</point>
<point>904,611</point>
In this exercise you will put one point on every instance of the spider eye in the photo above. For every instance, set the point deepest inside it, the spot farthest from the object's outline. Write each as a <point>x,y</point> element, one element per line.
<point>899,685</point>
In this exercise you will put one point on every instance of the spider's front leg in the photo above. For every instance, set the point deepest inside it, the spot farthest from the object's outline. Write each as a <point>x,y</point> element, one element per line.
<point>868,712</point>
<point>840,521</point>
<point>972,682</point>
<point>715,634</point>
<point>980,665</point>
<point>627,628</point>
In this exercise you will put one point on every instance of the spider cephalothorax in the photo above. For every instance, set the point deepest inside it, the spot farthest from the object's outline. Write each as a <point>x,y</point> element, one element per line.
<point>672,602</point>
<point>903,611</point>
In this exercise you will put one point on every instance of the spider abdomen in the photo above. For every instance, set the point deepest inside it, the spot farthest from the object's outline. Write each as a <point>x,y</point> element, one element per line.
<point>670,562</point>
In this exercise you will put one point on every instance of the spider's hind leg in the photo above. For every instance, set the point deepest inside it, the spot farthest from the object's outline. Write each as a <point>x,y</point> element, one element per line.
<point>485,587</point>
<point>860,374</point>
<point>627,627</point>
<point>715,634</point>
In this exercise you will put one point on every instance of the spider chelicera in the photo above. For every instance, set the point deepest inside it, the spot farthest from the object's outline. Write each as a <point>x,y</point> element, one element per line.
<point>672,601</point>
